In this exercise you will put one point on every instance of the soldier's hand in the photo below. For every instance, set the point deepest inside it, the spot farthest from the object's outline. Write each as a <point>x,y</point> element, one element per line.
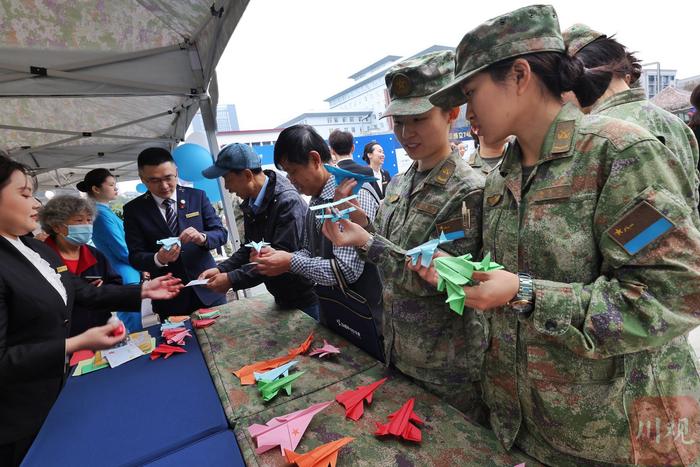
<point>428,274</point>
<point>350,235</point>
<point>495,288</point>
<point>219,283</point>
<point>168,256</point>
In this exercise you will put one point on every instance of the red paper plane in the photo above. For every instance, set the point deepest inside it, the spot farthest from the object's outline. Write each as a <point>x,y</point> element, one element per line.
<point>166,350</point>
<point>303,347</point>
<point>176,336</point>
<point>400,424</point>
<point>81,355</point>
<point>203,323</point>
<point>352,400</point>
<point>323,456</point>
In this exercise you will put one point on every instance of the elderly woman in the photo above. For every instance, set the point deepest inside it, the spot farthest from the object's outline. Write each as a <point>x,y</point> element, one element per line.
<point>68,222</point>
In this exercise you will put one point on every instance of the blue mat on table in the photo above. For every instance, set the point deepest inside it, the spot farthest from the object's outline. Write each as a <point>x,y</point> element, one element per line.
<point>219,450</point>
<point>132,414</point>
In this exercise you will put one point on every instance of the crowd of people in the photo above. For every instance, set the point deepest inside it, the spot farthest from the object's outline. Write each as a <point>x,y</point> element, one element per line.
<point>581,188</point>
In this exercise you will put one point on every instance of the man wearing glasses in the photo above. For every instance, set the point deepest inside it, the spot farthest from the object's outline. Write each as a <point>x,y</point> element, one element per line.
<point>170,210</point>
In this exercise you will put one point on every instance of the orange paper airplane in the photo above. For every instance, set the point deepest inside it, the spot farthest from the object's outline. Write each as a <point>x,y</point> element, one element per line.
<point>303,348</point>
<point>246,375</point>
<point>323,456</point>
<point>400,424</point>
<point>352,400</point>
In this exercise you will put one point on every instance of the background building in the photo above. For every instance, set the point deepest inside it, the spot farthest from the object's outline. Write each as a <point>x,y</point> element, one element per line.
<point>226,119</point>
<point>359,122</point>
<point>654,80</point>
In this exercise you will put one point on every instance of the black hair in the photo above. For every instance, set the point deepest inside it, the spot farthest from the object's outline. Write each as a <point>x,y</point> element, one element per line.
<point>559,73</point>
<point>694,122</point>
<point>341,142</point>
<point>95,177</point>
<point>368,150</point>
<point>255,170</point>
<point>153,156</point>
<point>606,54</point>
<point>294,144</point>
<point>8,167</point>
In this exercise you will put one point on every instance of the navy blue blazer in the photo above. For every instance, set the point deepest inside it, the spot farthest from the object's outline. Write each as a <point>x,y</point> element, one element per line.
<point>144,225</point>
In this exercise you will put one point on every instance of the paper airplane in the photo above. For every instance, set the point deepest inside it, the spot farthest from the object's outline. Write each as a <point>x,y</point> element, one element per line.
<point>206,313</point>
<point>326,349</point>
<point>285,431</point>
<point>246,373</point>
<point>325,455</point>
<point>166,351</point>
<point>426,250</point>
<point>400,423</point>
<point>337,215</point>
<point>180,325</point>
<point>282,370</point>
<point>331,204</point>
<point>342,174</point>
<point>194,282</point>
<point>303,347</point>
<point>169,242</point>
<point>271,389</point>
<point>202,323</point>
<point>177,319</point>
<point>352,400</point>
<point>456,272</point>
<point>257,245</point>
<point>176,336</point>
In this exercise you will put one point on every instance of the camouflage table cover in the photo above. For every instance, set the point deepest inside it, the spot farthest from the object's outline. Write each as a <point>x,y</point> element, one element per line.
<point>448,438</point>
<point>255,329</point>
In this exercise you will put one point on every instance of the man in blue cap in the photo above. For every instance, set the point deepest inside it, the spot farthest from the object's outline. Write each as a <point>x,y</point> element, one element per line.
<point>274,212</point>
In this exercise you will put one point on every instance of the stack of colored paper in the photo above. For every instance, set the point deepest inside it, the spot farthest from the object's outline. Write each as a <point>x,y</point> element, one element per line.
<point>143,341</point>
<point>97,362</point>
<point>456,272</point>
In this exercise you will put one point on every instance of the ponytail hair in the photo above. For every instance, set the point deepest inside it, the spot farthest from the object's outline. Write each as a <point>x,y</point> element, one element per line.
<point>95,177</point>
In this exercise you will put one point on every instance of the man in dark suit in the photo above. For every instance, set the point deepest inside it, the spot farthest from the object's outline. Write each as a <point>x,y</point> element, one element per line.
<point>342,147</point>
<point>171,210</point>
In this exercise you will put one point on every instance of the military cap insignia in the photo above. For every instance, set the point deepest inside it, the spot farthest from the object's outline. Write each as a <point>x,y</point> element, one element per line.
<point>401,85</point>
<point>639,227</point>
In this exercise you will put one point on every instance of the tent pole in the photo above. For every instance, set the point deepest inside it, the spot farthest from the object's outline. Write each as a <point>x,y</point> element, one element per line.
<point>209,120</point>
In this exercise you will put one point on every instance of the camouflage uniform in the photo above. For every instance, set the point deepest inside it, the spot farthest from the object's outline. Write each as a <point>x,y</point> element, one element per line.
<point>477,162</point>
<point>424,339</point>
<point>604,354</point>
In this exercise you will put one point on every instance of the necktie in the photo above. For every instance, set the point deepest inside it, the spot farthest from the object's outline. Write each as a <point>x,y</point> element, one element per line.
<point>170,216</point>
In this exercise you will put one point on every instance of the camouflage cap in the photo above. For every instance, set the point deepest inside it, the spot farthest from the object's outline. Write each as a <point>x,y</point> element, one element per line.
<point>412,81</point>
<point>527,30</point>
<point>579,36</point>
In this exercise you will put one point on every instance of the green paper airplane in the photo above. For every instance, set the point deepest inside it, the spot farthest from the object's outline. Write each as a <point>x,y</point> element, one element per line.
<point>456,272</point>
<point>270,389</point>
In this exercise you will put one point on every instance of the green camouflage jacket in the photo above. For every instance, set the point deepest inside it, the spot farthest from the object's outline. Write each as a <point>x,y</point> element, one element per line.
<point>633,106</point>
<point>423,337</point>
<point>605,231</point>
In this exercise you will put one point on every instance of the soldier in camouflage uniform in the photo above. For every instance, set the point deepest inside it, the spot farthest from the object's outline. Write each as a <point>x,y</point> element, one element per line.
<point>588,360</point>
<point>439,192</point>
<point>605,54</point>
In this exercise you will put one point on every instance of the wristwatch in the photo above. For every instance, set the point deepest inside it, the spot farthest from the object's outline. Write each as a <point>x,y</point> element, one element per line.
<point>367,244</point>
<point>523,302</point>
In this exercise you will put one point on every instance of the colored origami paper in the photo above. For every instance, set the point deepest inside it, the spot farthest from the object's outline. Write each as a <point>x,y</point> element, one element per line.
<point>426,250</point>
<point>303,347</point>
<point>81,355</point>
<point>206,313</point>
<point>331,204</point>
<point>400,424</point>
<point>166,325</point>
<point>456,272</point>
<point>88,366</point>
<point>257,245</point>
<point>169,242</point>
<point>166,351</point>
<point>326,349</point>
<point>325,455</point>
<point>246,373</point>
<point>342,174</point>
<point>282,370</point>
<point>352,400</point>
<point>337,215</point>
<point>269,390</point>
<point>176,336</point>
<point>177,319</point>
<point>285,431</point>
<point>202,323</point>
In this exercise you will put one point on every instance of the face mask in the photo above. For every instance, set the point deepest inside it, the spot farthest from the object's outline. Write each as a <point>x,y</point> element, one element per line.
<point>79,234</point>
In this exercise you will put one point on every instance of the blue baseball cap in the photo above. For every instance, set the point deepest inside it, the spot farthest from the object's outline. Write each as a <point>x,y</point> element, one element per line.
<point>235,156</point>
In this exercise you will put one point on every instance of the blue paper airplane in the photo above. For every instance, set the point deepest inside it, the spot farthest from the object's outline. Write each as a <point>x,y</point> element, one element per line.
<point>332,204</point>
<point>426,250</point>
<point>337,215</point>
<point>342,174</point>
<point>275,373</point>
<point>169,242</point>
<point>257,245</point>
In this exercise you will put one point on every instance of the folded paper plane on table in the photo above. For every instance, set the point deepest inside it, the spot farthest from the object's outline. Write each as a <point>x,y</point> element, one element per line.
<point>282,370</point>
<point>257,246</point>
<point>203,323</point>
<point>176,336</point>
<point>426,250</point>
<point>246,373</point>
<point>342,174</point>
<point>177,319</point>
<point>352,400</point>
<point>166,351</point>
<point>269,390</point>
<point>169,242</point>
<point>456,272</point>
<point>336,215</point>
<point>326,455</point>
<point>303,347</point>
<point>326,349</point>
<point>400,424</point>
<point>332,204</point>
<point>285,431</point>
<point>206,313</point>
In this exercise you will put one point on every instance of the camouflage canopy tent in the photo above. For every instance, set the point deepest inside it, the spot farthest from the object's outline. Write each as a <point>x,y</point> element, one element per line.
<point>92,82</point>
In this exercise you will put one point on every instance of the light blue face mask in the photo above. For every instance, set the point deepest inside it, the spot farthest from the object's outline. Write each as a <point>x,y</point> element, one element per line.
<point>79,234</point>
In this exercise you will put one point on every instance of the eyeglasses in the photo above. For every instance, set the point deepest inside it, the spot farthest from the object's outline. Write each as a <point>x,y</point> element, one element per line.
<point>158,181</point>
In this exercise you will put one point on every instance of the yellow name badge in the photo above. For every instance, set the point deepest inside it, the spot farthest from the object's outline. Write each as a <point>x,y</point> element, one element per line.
<point>61,269</point>
<point>191,214</point>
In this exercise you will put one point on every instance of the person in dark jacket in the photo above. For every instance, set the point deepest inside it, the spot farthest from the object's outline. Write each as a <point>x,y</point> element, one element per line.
<point>274,212</point>
<point>342,147</point>
<point>68,221</point>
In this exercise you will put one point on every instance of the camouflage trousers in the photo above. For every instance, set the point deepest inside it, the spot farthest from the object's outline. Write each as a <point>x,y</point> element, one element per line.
<point>465,397</point>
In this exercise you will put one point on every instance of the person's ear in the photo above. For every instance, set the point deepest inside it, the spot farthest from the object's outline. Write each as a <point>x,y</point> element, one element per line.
<point>315,159</point>
<point>95,190</point>
<point>522,75</point>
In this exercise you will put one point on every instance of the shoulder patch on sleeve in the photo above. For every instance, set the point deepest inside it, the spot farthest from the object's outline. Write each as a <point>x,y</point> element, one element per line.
<point>639,227</point>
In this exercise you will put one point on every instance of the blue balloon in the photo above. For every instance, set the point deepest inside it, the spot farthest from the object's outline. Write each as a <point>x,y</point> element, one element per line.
<point>141,188</point>
<point>191,159</point>
<point>210,187</point>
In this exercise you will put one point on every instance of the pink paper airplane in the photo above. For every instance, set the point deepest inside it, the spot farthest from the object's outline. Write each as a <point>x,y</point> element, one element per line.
<point>352,400</point>
<point>176,336</point>
<point>400,424</point>
<point>327,349</point>
<point>285,431</point>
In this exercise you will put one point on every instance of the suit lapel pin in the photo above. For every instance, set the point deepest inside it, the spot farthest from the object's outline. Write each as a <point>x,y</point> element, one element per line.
<point>182,204</point>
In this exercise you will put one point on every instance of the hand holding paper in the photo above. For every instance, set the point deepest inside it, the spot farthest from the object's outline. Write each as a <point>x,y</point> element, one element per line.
<point>456,272</point>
